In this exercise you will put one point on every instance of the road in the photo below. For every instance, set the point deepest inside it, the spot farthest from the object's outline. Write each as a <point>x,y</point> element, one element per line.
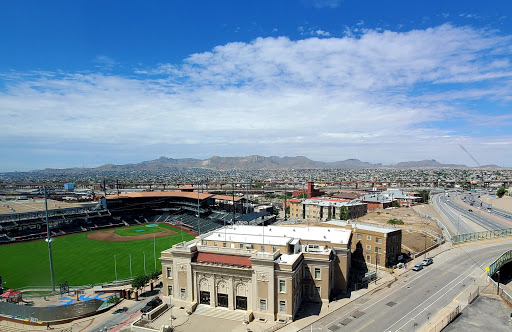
<point>416,296</point>
<point>453,207</point>
<point>474,199</point>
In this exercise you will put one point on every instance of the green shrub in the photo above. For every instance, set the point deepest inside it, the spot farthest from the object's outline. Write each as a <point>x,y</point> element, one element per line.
<point>395,221</point>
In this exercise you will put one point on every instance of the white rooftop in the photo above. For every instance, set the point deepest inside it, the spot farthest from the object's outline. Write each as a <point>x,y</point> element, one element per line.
<point>278,235</point>
<point>368,227</point>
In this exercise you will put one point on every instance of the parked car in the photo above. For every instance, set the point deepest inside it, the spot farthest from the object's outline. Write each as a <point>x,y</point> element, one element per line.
<point>470,210</point>
<point>120,310</point>
<point>418,267</point>
<point>151,305</point>
<point>427,261</point>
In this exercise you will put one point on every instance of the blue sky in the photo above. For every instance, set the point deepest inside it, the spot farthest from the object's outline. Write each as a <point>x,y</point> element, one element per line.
<point>84,83</point>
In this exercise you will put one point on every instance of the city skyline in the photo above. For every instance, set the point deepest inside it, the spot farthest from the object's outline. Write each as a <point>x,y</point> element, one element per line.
<point>90,83</point>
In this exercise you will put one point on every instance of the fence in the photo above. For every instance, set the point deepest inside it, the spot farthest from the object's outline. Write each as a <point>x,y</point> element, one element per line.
<point>479,236</point>
<point>502,293</point>
<point>445,320</point>
<point>64,312</point>
<point>502,260</point>
<point>439,223</point>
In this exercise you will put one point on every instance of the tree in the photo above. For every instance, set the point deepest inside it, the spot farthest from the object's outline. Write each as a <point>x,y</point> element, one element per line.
<point>288,210</point>
<point>303,196</point>
<point>344,213</point>
<point>425,194</point>
<point>395,204</point>
<point>501,191</point>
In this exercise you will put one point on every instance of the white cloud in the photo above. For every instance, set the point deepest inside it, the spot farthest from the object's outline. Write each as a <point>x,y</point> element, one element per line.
<point>321,33</point>
<point>378,96</point>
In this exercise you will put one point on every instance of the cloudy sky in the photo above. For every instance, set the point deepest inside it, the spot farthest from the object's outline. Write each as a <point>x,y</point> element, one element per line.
<point>84,83</point>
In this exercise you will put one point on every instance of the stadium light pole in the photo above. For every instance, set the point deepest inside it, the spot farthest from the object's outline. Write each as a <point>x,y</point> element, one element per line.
<point>115,265</point>
<point>154,249</point>
<point>49,240</point>
<point>198,215</point>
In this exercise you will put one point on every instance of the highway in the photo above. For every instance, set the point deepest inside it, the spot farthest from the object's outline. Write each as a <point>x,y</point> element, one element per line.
<point>416,296</point>
<point>473,198</point>
<point>452,208</point>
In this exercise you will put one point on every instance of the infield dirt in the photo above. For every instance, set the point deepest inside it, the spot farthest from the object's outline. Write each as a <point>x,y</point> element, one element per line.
<point>109,235</point>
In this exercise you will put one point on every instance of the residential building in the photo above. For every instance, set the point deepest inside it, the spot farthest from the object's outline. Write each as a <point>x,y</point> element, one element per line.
<point>321,209</point>
<point>373,244</point>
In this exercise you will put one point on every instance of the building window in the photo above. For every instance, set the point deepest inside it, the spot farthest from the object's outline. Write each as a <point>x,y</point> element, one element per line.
<point>263,305</point>
<point>224,244</point>
<point>274,249</point>
<point>169,272</point>
<point>359,236</point>
<point>368,258</point>
<point>262,248</point>
<point>317,291</point>
<point>378,240</point>
<point>205,243</point>
<point>368,247</point>
<point>368,237</point>
<point>282,306</point>
<point>169,290</point>
<point>317,273</point>
<point>183,293</point>
<point>215,244</point>
<point>282,286</point>
<point>241,245</point>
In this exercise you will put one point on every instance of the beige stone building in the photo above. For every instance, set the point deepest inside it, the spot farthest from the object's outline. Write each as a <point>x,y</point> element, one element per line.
<point>264,271</point>
<point>321,209</point>
<point>373,244</point>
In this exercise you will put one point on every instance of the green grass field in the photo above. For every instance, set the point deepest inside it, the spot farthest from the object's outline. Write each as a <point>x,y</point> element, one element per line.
<point>79,260</point>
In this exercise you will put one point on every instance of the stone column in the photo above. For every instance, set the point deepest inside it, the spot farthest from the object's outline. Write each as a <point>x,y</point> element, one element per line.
<point>231,294</point>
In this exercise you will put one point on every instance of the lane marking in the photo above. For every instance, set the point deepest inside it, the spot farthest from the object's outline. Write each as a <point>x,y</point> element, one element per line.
<point>365,326</point>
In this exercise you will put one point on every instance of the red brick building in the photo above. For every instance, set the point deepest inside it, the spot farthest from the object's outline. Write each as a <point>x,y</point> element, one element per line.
<point>310,191</point>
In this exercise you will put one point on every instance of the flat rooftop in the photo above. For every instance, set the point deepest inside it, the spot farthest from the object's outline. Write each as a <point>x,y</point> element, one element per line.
<point>368,227</point>
<point>278,235</point>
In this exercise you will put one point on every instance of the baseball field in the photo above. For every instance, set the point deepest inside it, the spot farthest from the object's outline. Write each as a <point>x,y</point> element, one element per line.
<point>88,258</point>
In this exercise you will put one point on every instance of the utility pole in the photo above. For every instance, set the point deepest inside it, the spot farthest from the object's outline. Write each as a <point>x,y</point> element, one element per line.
<point>425,235</point>
<point>499,277</point>
<point>285,196</point>
<point>233,185</point>
<point>376,256</point>
<point>49,240</point>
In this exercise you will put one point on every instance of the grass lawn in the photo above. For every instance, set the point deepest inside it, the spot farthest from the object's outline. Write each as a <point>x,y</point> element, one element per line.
<point>138,230</point>
<point>79,260</point>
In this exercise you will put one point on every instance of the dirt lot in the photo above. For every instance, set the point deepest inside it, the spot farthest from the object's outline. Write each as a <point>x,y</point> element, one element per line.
<point>413,238</point>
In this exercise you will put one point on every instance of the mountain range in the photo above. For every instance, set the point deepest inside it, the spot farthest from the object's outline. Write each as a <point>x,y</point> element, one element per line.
<point>255,162</point>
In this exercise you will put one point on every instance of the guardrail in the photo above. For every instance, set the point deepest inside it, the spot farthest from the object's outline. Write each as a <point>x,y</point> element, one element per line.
<point>499,262</point>
<point>439,223</point>
<point>480,236</point>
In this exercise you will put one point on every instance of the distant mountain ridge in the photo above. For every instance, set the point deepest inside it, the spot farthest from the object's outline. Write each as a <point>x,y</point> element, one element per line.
<point>256,162</point>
